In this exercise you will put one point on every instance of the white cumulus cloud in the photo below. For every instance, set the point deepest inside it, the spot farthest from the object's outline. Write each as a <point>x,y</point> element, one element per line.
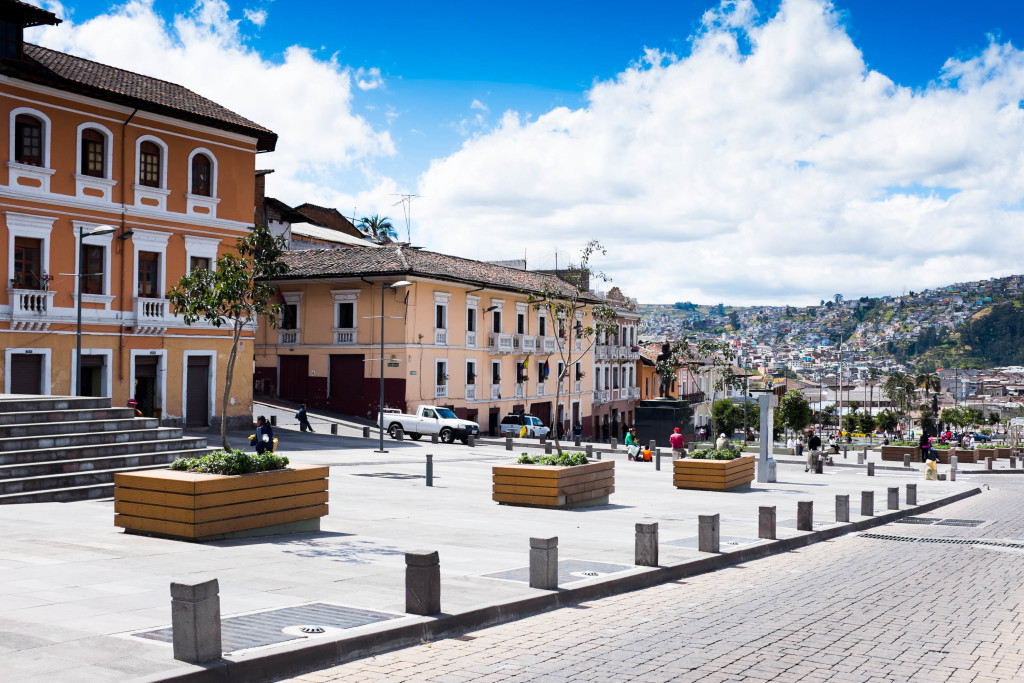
<point>780,172</point>
<point>257,17</point>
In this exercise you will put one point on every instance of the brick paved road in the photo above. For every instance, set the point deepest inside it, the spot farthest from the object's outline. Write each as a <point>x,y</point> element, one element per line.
<point>853,609</point>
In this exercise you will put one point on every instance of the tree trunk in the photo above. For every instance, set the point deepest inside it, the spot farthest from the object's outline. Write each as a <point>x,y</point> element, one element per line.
<point>227,385</point>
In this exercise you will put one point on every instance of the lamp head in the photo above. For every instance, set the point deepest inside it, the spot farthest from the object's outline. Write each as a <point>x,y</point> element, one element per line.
<point>399,284</point>
<point>99,230</point>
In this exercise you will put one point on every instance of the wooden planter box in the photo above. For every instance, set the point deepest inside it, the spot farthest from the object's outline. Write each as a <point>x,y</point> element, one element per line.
<point>896,453</point>
<point>713,475</point>
<point>1001,451</point>
<point>552,486</point>
<point>206,507</point>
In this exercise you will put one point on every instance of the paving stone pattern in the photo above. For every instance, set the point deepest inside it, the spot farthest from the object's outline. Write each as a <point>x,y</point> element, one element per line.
<point>852,609</point>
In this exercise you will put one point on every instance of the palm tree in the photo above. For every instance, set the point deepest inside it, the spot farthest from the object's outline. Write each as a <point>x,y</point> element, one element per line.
<point>838,298</point>
<point>379,228</point>
<point>899,387</point>
<point>928,381</point>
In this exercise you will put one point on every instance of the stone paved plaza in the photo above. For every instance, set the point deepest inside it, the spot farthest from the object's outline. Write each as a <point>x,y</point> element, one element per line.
<point>74,589</point>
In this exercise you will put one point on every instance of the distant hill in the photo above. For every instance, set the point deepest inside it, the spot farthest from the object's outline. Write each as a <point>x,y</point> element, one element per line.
<point>995,336</point>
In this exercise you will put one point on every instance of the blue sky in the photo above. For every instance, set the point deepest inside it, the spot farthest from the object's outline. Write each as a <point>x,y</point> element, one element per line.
<point>545,123</point>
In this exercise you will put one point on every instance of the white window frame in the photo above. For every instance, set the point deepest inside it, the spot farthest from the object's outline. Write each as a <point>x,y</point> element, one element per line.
<point>499,307</point>
<point>108,372</point>
<point>201,247</point>
<point>84,182</point>
<point>212,355</point>
<point>161,379</point>
<point>46,137</point>
<point>194,201</point>
<point>159,194</point>
<point>345,296</point>
<point>47,367</point>
<point>156,242</point>
<point>33,227</point>
<point>106,241</point>
<point>441,362</point>
<point>16,169</point>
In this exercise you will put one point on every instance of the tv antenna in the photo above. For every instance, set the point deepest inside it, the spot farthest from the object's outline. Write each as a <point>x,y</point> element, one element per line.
<point>406,202</point>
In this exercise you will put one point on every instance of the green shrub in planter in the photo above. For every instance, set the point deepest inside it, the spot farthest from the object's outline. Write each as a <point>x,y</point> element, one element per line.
<point>231,462</point>
<point>712,454</point>
<point>563,460</point>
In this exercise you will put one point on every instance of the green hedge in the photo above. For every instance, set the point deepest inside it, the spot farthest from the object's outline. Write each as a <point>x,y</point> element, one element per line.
<point>231,462</point>
<point>563,460</point>
<point>712,454</point>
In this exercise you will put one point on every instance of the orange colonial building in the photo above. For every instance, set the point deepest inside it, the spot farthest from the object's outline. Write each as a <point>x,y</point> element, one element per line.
<point>166,179</point>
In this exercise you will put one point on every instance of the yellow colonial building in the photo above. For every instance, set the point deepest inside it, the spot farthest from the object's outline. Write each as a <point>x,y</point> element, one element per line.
<point>462,334</point>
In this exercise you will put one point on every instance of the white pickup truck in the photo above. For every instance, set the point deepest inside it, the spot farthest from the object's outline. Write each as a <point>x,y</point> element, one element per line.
<point>430,420</point>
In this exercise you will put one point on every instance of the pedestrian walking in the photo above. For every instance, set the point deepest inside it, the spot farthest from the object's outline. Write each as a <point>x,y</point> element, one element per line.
<point>678,444</point>
<point>303,419</point>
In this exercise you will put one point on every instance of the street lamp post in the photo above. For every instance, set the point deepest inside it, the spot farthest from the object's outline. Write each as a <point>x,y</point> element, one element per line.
<point>384,286</point>
<point>98,230</point>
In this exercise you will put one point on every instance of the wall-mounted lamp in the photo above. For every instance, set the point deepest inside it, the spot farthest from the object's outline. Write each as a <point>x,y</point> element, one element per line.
<point>126,235</point>
<point>491,308</point>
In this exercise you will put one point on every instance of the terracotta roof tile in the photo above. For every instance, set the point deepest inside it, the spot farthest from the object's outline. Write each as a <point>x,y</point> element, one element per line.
<point>395,261</point>
<point>150,94</point>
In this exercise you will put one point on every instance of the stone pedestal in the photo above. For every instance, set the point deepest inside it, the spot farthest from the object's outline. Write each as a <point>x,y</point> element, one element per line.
<point>871,469</point>
<point>843,508</point>
<point>766,521</point>
<point>195,621</point>
<point>422,582</point>
<point>707,533</point>
<point>508,443</point>
<point>805,515</point>
<point>911,494</point>
<point>766,402</point>
<point>544,563</point>
<point>894,498</point>
<point>646,551</point>
<point>906,459</point>
<point>867,503</point>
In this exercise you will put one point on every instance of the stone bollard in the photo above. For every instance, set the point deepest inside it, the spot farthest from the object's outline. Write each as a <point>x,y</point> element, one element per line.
<point>871,469</point>
<point>590,451</point>
<point>867,503</point>
<point>434,438</point>
<point>707,533</point>
<point>400,434</point>
<point>805,515</point>
<point>844,455</point>
<point>471,441</point>
<point>1013,462</point>
<point>657,458</point>
<point>894,498</point>
<point>334,428</point>
<point>911,494</point>
<point>766,521</point>
<point>860,458</point>
<point>577,441</point>
<point>544,563</point>
<point>952,474</point>
<point>547,449</point>
<point>988,463</point>
<point>843,508</point>
<point>430,469</point>
<point>652,445</point>
<point>422,582</point>
<point>646,553</point>
<point>614,443</point>
<point>195,621</point>
<point>906,459</point>
<point>543,438</point>
<point>508,443</point>
<point>366,432</point>
<point>273,420</point>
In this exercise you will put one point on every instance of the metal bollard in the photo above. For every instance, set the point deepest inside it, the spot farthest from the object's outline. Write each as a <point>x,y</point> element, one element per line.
<point>1013,462</point>
<point>434,438</point>
<point>590,451</point>
<point>400,434</point>
<point>805,515</point>
<point>547,449</point>
<point>471,441</point>
<point>894,498</point>
<point>766,521</point>
<point>273,420</point>
<point>577,441</point>
<point>843,508</point>
<point>707,533</point>
<point>646,547</point>
<point>422,582</point>
<point>508,443</point>
<point>366,432</point>
<point>867,503</point>
<point>906,459</point>
<point>865,452</point>
<point>195,621</point>
<point>543,438</point>
<point>911,494</point>
<point>657,458</point>
<point>334,428</point>
<point>860,458</point>
<point>430,469</point>
<point>871,469</point>
<point>544,563</point>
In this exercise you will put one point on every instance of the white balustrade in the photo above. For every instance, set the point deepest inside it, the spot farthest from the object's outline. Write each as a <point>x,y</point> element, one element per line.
<point>344,335</point>
<point>500,343</point>
<point>470,392</point>
<point>441,337</point>
<point>31,309</point>
<point>495,391</point>
<point>471,339</point>
<point>520,391</point>
<point>441,391</point>
<point>151,315</point>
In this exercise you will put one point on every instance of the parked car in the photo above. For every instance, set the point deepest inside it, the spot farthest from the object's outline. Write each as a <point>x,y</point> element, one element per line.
<point>978,436</point>
<point>512,425</point>
<point>430,420</point>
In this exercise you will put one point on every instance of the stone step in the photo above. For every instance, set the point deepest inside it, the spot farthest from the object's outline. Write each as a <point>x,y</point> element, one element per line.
<point>69,480</point>
<point>100,450</point>
<point>76,415</point>
<point>27,443</point>
<point>77,427</point>
<point>65,495</point>
<point>70,467</point>
<point>24,404</point>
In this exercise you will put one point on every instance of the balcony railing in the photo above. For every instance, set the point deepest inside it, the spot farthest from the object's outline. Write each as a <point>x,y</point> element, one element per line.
<point>31,309</point>
<point>151,315</point>
<point>495,391</point>
<point>578,344</point>
<point>471,339</point>
<point>578,386</point>
<point>540,388</point>
<point>441,391</point>
<point>601,396</point>
<point>470,392</point>
<point>525,343</point>
<point>441,337</point>
<point>600,352</point>
<point>344,335</point>
<point>549,345</point>
<point>614,396</point>
<point>520,390</point>
<point>287,337</point>
<point>500,343</point>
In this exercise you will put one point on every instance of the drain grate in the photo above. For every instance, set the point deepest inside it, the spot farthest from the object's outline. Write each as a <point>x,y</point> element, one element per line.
<point>390,475</point>
<point>917,520</point>
<point>961,522</point>
<point>945,541</point>
<point>568,571</point>
<point>265,628</point>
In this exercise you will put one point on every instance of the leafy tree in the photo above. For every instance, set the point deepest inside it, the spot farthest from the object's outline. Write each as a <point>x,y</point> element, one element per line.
<point>838,298</point>
<point>928,381</point>
<point>568,301</point>
<point>993,418</point>
<point>795,410</point>
<point>727,416</point>
<point>235,293</point>
<point>850,422</point>
<point>379,228</point>
<point>866,422</point>
<point>886,420</point>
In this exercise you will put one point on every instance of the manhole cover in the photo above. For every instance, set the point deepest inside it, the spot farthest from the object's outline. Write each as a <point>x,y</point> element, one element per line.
<point>266,628</point>
<point>568,571</point>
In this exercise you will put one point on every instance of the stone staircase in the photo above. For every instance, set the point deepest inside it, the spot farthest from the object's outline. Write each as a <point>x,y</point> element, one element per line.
<point>60,448</point>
